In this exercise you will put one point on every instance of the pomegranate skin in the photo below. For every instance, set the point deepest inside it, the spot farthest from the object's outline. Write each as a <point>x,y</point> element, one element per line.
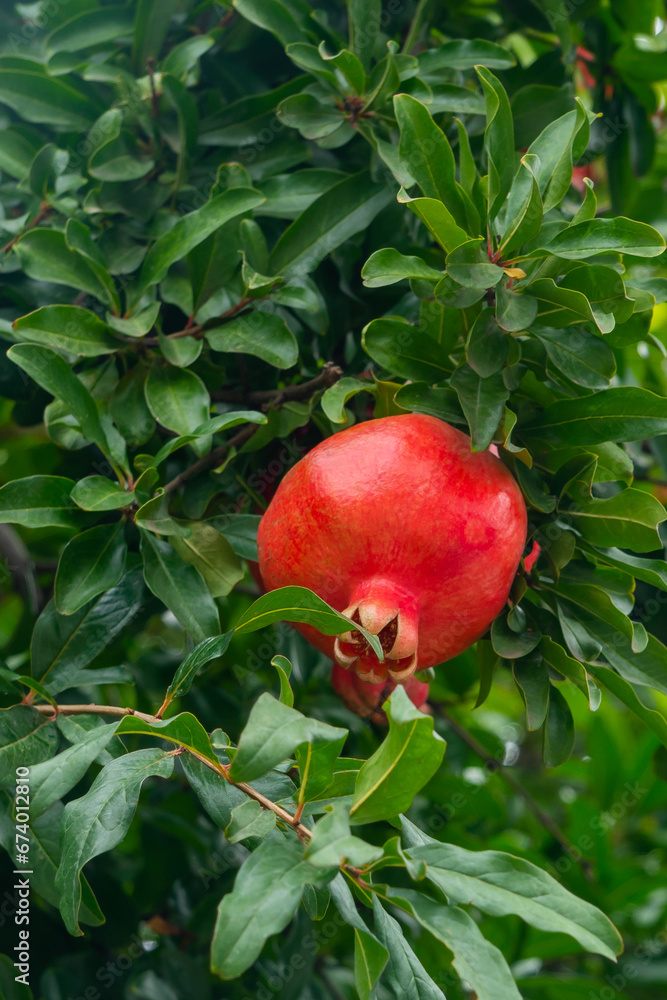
<point>366,699</point>
<point>397,524</point>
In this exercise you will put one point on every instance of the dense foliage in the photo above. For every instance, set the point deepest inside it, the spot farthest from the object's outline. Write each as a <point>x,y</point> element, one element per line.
<point>229,233</point>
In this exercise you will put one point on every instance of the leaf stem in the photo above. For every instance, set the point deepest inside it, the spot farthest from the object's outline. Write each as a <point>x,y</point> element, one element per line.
<point>496,767</point>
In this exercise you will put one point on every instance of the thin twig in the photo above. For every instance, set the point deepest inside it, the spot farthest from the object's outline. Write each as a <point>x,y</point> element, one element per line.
<point>213,458</point>
<point>329,375</point>
<point>44,212</point>
<point>197,330</point>
<point>218,767</point>
<point>497,767</point>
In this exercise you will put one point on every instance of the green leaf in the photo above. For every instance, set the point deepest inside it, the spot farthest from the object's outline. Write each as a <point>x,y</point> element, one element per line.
<point>441,403</point>
<point>630,518</point>
<point>99,820</point>
<point>487,345</point>
<point>318,763</point>
<point>581,356</point>
<point>59,102</point>
<point>298,604</point>
<point>498,139</point>
<point>39,502</point>
<point>469,265</point>
<point>240,530</point>
<point>653,571</point>
<point>408,758</point>
<point>80,241</point>
<point>476,960</point>
<point>90,564</point>
<point>90,28</point>
<point>438,220</point>
<point>426,153</point>
<point>284,669</point>
<point>62,645</point>
<point>52,779</point>
<point>26,738</point>
<point>405,350</point>
<point>44,840</point>
<point>52,372</point>
<point>262,334</point>
<point>361,14</point>
<point>333,845</point>
<point>151,24</point>
<point>180,586</point>
<point>370,956</point>
<point>67,328</point>
<point>271,735</point>
<point>623,413</point>
<point>532,679</point>
<point>210,426</point>
<point>501,884</point>
<point>462,54</point>
<point>212,555</point>
<point>273,16</point>
<point>266,893</point>
<point>385,267</point>
<point>509,644</point>
<point>45,256</point>
<point>515,311</point>
<point>336,396</point>
<point>192,229</point>
<point>249,820</point>
<point>313,119</point>
<point>557,747</point>
<point>405,976</point>
<point>556,657</point>
<point>585,239</point>
<point>203,653</point>
<point>97,493</point>
<point>482,401</point>
<point>184,730</point>
<point>177,398</point>
<point>524,212</point>
<point>344,210</point>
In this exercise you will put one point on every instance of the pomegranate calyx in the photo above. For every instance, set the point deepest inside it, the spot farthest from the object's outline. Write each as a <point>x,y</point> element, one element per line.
<point>393,617</point>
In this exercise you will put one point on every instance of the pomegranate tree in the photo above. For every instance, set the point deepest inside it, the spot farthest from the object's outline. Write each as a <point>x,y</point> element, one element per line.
<point>400,526</point>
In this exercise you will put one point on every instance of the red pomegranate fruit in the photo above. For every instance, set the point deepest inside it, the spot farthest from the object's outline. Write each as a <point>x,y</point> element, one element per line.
<point>396,523</point>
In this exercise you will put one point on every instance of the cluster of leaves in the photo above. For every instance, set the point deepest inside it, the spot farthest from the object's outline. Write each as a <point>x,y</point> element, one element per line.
<point>210,216</point>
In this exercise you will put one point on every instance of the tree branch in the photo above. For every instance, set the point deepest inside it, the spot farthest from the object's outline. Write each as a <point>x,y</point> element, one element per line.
<point>496,767</point>
<point>329,375</point>
<point>213,458</point>
<point>222,769</point>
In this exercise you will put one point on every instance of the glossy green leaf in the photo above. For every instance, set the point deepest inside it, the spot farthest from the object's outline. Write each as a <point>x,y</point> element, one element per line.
<point>271,735</point>
<point>623,413</point>
<point>40,501</point>
<point>409,756</point>
<point>210,552</point>
<point>67,328</point>
<point>405,350</point>
<point>52,779</point>
<point>476,960</point>
<point>498,139</point>
<point>438,220</point>
<point>26,738</point>
<point>90,564</point>
<point>177,398</point>
<point>266,893</point>
<point>344,210</point>
<point>385,267</point>
<point>45,256</point>
<point>192,229</point>
<point>482,401</point>
<point>585,239</point>
<point>333,844</point>
<point>558,739</point>
<point>262,334</point>
<point>249,820</point>
<point>99,820</point>
<point>97,493</point>
<point>63,645</point>
<point>180,586</point>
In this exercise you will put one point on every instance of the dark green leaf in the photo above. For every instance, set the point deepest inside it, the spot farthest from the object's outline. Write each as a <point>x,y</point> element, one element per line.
<point>91,563</point>
<point>180,586</point>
